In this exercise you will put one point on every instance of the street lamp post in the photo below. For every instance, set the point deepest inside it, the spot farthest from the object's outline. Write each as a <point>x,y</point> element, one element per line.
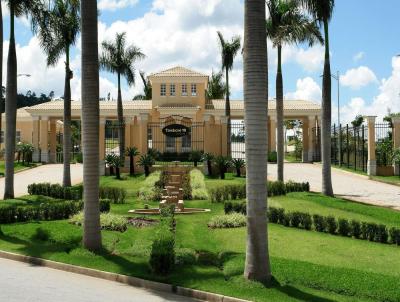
<point>337,78</point>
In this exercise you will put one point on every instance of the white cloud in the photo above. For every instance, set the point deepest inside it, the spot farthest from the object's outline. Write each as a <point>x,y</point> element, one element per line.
<point>307,89</point>
<point>358,77</point>
<point>113,5</point>
<point>348,112</point>
<point>310,59</point>
<point>358,56</point>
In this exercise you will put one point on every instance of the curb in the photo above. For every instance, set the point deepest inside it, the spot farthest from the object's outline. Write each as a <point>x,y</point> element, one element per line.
<point>346,172</point>
<point>127,280</point>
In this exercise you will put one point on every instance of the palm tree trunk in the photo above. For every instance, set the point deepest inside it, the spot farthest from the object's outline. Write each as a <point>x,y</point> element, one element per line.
<point>1,73</point>
<point>131,166</point>
<point>326,120</point>
<point>11,111</point>
<point>228,114</point>
<point>90,123</point>
<point>67,124</point>
<point>121,124</point>
<point>255,67</point>
<point>279,115</point>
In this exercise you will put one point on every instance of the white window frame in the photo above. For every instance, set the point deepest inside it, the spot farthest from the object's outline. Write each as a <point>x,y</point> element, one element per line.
<point>163,90</point>
<point>172,90</point>
<point>193,89</point>
<point>184,89</point>
<point>18,136</point>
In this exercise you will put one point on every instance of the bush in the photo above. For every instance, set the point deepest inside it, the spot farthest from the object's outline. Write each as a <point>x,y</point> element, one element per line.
<point>305,221</point>
<point>41,235</point>
<point>319,223</point>
<point>331,225</point>
<point>295,219</point>
<point>115,195</point>
<point>292,186</point>
<point>273,215</point>
<point>233,220</point>
<point>109,222</point>
<point>355,229</point>
<point>105,205</point>
<point>149,191</point>
<point>381,234</point>
<point>344,228</point>
<point>272,157</point>
<point>162,255</point>
<point>56,191</point>
<point>198,185</point>
<point>235,206</point>
<point>276,188</point>
<point>395,236</point>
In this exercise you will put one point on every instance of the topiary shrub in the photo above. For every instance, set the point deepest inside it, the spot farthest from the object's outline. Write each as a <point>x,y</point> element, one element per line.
<point>344,228</point>
<point>381,234</point>
<point>319,223</point>
<point>198,185</point>
<point>108,221</point>
<point>394,236</point>
<point>235,206</point>
<point>273,215</point>
<point>115,195</point>
<point>331,225</point>
<point>162,255</point>
<point>355,229</point>
<point>306,221</point>
<point>295,219</point>
<point>276,188</point>
<point>233,220</point>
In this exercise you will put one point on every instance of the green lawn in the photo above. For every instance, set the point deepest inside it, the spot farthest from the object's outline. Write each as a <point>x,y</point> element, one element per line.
<point>307,266</point>
<point>17,167</point>
<point>291,158</point>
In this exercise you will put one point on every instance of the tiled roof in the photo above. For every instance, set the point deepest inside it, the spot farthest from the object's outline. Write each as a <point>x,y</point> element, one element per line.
<point>287,104</point>
<point>104,105</point>
<point>177,71</point>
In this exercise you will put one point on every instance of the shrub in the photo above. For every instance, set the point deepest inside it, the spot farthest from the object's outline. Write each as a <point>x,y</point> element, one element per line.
<point>276,188</point>
<point>115,195</point>
<point>381,234</point>
<point>198,185</point>
<point>331,225</point>
<point>149,191</point>
<point>273,215</point>
<point>292,186</point>
<point>195,156</point>
<point>222,163</point>
<point>344,228</point>
<point>369,230</point>
<point>109,222</point>
<point>295,219</point>
<point>284,219</point>
<point>305,221</point>
<point>56,191</point>
<point>186,187</point>
<point>105,205</point>
<point>395,236</point>
<point>162,255</point>
<point>41,235</point>
<point>238,164</point>
<point>272,157</point>
<point>235,206</point>
<point>319,223</point>
<point>233,220</point>
<point>355,229</point>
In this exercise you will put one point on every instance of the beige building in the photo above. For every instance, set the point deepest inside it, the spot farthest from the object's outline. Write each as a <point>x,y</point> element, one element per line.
<point>179,102</point>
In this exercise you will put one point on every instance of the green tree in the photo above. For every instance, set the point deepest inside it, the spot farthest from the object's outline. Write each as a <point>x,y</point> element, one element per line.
<point>147,88</point>
<point>58,31</point>
<point>322,11</point>
<point>120,59</point>
<point>216,87</point>
<point>132,152</point>
<point>32,8</point>
<point>90,123</point>
<point>358,120</point>
<point>255,72</point>
<point>287,24</point>
<point>229,51</point>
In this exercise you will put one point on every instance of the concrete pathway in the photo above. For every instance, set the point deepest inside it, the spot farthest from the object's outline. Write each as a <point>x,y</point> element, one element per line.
<point>44,173</point>
<point>345,184</point>
<point>21,282</point>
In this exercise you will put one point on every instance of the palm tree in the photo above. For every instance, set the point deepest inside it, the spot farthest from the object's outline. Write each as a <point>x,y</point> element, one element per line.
<point>255,72</point>
<point>228,52</point>
<point>119,59</point>
<point>58,31</point>
<point>1,71</point>
<point>322,11</point>
<point>208,158</point>
<point>147,89</point>
<point>132,152</point>
<point>17,8</point>
<point>146,161</point>
<point>216,87</point>
<point>90,123</point>
<point>287,24</point>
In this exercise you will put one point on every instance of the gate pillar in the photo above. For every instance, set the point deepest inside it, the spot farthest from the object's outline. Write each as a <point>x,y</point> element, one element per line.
<point>224,136</point>
<point>35,139</point>
<point>306,140</point>
<point>396,140</point>
<point>44,142</point>
<point>143,123</point>
<point>371,166</point>
<point>53,140</point>
<point>272,134</point>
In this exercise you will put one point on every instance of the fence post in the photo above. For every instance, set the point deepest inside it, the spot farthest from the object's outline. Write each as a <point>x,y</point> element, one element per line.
<point>371,166</point>
<point>340,145</point>
<point>396,140</point>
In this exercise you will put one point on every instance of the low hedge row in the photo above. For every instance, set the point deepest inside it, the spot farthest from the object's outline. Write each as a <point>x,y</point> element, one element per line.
<point>115,195</point>
<point>45,211</point>
<point>274,188</point>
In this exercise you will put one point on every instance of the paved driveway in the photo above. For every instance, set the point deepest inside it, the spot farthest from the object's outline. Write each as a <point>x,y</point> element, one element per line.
<point>21,282</point>
<point>45,173</point>
<point>345,184</point>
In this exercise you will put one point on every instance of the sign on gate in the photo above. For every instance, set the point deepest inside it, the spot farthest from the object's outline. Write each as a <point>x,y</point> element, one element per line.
<point>176,130</point>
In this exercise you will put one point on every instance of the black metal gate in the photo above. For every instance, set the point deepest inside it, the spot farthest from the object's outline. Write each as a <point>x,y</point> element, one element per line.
<point>167,148</point>
<point>238,138</point>
<point>316,141</point>
<point>111,135</point>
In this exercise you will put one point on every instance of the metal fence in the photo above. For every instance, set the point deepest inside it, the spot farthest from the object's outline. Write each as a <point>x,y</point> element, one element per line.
<point>111,136</point>
<point>384,143</point>
<point>238,138</point>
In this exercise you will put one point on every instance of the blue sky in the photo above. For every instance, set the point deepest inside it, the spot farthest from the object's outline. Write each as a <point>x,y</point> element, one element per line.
<point>365,38</point>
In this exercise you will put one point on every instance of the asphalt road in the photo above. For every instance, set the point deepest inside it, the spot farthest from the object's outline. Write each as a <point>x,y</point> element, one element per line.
<point>21,282</point>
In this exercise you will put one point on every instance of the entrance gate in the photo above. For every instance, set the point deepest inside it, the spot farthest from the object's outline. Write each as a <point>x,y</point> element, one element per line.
<point>112,128</point>
<point>167,141</point>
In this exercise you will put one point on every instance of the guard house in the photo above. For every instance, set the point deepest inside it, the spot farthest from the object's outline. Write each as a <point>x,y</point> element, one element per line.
<point>178,120</point>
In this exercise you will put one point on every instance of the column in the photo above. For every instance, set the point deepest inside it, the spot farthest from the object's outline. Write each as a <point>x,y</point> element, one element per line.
<point>371,166</point>
<point>306,140</point>
<point>224,136</point>
<point>311,146</point>
<point>143,123</point>
<point>272,134</point>
<point>396,140</point>
<point>44,141</point>
<point>53,141</point>
<point>128,143</point>
<point>35,139</point>
<point>102,150</point>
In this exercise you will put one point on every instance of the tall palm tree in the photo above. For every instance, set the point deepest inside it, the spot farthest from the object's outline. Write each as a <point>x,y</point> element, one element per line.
<point>147,89</point>
<point>17,8</point>
<point>58,31</point>
<point>119,59</point>
<point>1,71</point>
<point>90,123</point>
<point>216,87</point>
<point>229,51</point>
<point>255,72</point>
<point>322,11</point>
<point>287,24</point>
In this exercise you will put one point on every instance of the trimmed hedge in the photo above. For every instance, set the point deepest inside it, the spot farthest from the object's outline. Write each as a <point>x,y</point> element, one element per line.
<point>108,221</point>
<point>274,188</point>
<point>329,224</point>
<point>56,210</point>
<point>115,195</point>
<point>232,220</point>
